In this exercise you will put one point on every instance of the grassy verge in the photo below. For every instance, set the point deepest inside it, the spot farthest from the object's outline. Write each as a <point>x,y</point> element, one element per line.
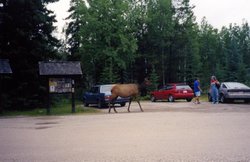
<point>64,108</point>
<point>61,108</point>
<point>204,97</point>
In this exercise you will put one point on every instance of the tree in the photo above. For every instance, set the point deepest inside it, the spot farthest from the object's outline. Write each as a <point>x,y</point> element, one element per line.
<point>26,38</point>
<point>73,36</point>
<point>160,27</point>
<point>106,34</point>
<point>186,47</point>
<point>210,50</point>
<point>244,42</point>
<point>154,79</point>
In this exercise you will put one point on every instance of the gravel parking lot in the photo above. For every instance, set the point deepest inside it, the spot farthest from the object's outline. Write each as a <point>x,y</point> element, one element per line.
<point>179,131</point>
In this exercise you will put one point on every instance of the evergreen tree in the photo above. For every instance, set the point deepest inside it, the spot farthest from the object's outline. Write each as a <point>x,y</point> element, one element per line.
<point>159,36</point>
<point>186,46</point>
<point>244,42</point>
<point>154,79</point>
<point>26,38</point>
<point>106,35</point>
<point>108,75</point>
<point>73,36</point>
<point>209,51</point>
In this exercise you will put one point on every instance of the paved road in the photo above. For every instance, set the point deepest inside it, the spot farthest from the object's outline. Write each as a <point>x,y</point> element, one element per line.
<point>178,131</point>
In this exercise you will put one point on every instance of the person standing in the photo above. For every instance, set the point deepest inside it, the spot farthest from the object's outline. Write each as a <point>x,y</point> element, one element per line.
<point>214,90</point>
<point>197,91</point>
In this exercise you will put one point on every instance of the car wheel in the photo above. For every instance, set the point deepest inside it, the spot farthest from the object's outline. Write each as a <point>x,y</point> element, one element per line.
<point>123,104</point>
<point>189,99</point>
<point>152,98</point>
<point>170,98</point>
<point>222,99</point>
<point>99,104</point>
<point>86,104</point>
<point>247,100</point>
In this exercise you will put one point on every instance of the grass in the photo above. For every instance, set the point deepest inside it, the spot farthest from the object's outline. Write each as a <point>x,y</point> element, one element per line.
<point>203,97</point>
<point>61,108</point>
<point>64,108</point>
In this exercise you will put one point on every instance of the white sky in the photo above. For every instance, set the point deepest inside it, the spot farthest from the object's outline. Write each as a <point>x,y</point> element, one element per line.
<point>61,7</point>
<point>218,13</point>
<point>222,12</point>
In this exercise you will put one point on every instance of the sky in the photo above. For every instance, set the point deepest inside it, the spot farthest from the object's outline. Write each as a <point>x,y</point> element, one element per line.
<point>218,13</point>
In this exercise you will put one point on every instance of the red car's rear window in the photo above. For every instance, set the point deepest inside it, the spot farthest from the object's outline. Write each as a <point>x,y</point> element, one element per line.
<point>183,87</point>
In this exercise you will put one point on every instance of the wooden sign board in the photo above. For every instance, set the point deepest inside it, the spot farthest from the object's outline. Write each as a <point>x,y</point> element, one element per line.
<point>60,85</point>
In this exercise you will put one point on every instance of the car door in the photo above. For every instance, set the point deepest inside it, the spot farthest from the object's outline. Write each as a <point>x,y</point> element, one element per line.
<point>167,90</point>
<point>93,94</point>
<point>158,94</point>
<point>223,90</point>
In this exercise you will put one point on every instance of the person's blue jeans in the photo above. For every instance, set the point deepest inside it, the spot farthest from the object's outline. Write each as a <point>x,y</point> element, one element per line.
<point>215,94</point>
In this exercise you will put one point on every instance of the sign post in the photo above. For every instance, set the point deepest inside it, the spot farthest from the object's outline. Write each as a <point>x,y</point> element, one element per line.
<point>60,78</point>
<point>73,96</point>
<point>5,69</point>
<point>48,104</point>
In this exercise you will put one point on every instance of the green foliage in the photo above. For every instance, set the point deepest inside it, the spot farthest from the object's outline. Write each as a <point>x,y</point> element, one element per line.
<point>62,107</point>
<point>26,38</point>
<point>106,35</point>
<point>118,41</point>
<point>161,38</point>
<point>154,79</point>
<point>108,75</point>
<point>73,36</point>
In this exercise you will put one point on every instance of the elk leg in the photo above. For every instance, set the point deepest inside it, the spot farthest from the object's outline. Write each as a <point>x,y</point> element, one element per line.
<point>109,106</point>
<point>114,108</point>
<point>112,101</point>
<point>129,104</point>
<point>138,101</point>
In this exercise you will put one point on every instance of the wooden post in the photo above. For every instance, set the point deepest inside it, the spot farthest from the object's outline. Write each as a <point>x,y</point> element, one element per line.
<point>73,96</point>
<point>1,100</point>
<point>48,99</point>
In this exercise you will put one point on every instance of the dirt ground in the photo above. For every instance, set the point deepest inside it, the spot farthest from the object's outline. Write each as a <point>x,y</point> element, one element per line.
<point>164,132</point>
<point>183,106</point>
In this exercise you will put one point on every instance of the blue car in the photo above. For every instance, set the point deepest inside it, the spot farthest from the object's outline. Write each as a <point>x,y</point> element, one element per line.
<point>100,95</point>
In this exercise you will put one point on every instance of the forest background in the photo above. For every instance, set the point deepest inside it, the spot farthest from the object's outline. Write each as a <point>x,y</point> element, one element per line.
<point>117,41</point>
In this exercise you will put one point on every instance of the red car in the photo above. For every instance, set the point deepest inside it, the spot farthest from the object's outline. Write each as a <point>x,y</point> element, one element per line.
<point>172,92</point>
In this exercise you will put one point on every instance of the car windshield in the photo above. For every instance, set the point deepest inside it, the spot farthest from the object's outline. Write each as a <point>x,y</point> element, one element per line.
<point>235,85</point>
<point>183,87</point>
<point>94,89</point>
<point>105,88</point>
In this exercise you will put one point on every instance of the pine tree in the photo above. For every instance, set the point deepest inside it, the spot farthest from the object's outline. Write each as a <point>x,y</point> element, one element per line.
<point>154,79</point>
<point>26,38</point>
<point>186,40</point>
<point>73,36</point>
<point>106,34</point>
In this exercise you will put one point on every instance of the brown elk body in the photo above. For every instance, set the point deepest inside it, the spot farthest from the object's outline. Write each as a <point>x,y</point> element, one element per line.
<point>128,90</point>
<point>125,90</point>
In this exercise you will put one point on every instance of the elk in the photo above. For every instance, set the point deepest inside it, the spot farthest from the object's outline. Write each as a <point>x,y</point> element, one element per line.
<point>127,90</point>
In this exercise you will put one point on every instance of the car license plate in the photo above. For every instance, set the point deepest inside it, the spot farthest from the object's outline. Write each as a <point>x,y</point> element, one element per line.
<point>184,91</point>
